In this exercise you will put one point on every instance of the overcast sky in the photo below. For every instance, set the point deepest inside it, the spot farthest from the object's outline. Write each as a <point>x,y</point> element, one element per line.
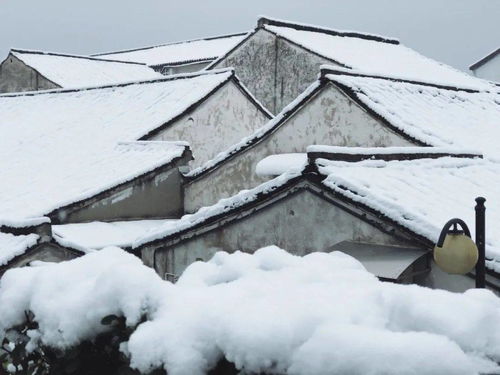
<point>457,32</point>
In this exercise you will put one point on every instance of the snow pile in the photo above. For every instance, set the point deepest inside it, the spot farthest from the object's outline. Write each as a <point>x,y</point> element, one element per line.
<point>423,194</point>
<point>71,71</point>
<point>180,52</point>
<point>391,150</point>
<point>267,312</point>
<point>372,56</point>
<point>275,165</point>
<point>12,245</point>
<point>437,116</point>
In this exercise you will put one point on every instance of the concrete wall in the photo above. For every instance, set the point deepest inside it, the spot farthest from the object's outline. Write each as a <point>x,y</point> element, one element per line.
<point>222,120</point>
<point>15,76</point>
<point>255,64</point>
<point>300,223</point>
<point>329,118</point>
<point>156,196</point>
<point>490,70</point>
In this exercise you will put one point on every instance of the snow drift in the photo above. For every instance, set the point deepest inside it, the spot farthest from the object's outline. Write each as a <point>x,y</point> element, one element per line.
<point>267,312</point>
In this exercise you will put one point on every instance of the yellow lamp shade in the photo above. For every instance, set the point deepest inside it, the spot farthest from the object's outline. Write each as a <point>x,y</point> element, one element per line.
<point>458,255</point>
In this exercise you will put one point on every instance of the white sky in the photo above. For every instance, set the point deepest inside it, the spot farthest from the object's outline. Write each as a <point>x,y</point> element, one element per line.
<point>457,32</point>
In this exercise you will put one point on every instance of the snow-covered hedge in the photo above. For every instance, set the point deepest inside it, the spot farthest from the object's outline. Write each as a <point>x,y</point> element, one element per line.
<point>270,312</point>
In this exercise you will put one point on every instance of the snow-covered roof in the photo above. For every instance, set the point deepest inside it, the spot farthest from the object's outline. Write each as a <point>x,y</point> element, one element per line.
<point>98,234</point>
<point>370,53</point>
<point>432,114</point>
<point>13,245</point>
<point>61,146</point>
<point>422,195</point>
<point>274,165</point>
<point>206,49</point>
<point>71,71</point>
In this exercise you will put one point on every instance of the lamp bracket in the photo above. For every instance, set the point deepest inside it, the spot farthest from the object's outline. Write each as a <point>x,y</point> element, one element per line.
<point>446,229</point>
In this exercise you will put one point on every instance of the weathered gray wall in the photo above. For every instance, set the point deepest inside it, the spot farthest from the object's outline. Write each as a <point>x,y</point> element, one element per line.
<point>159,196</point>
<point>301,223</point>
<point>219,122</point>
<point>15,76</point>
<point>275,70</point>
<point>296,70</point>
<point>329,118</point>
<point>46,252</point>
<point>255,64</point>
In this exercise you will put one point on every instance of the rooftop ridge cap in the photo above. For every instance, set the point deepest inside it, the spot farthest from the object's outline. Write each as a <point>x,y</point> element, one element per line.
<point>169,44</point>
<point>485,59</point>
<point>48,53</point>
<point>397,155</point>
<point>330,70</point>
<point>172,77</point>
<point>265,20</point>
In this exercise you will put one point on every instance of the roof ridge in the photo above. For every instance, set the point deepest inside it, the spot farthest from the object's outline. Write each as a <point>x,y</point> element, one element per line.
<point>485,59</point>
<point>264,20</point>
<point>172,77</point>
<point>328,70</point>
<point>46,53</point>
<point>169,44</point>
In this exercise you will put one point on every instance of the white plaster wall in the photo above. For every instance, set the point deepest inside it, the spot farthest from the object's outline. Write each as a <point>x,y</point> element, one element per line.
<point>222,120</point>
<point>329,118</point>
<point>490,70</point>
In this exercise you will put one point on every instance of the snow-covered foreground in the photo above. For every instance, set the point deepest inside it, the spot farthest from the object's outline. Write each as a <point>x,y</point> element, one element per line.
<point>268,312</point>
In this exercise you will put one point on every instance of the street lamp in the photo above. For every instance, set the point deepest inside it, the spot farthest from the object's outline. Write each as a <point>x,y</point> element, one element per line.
<point>456,253</point>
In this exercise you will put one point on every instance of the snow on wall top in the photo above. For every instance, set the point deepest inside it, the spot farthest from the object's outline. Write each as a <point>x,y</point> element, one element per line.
<point>70,71</point>
<point>98,234</point>
<point>373,56</point>
<point>178,53</point>
<point>12,245</point>
<point>223,206</point>
<point>59,147</point>
<point>422,195</point>
<point>436,115</point>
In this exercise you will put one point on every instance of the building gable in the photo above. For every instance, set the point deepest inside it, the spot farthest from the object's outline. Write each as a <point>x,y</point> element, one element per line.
<point>327,116</point>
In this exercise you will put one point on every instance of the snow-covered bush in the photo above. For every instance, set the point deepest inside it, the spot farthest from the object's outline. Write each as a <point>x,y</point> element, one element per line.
<point>270,312</point>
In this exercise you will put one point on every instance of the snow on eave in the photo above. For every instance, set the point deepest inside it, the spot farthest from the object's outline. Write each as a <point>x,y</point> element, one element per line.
<point>485,59</point>
<point>172,77</point>
<point>265,20</point>
<point>223,207</point>
<point>138,146</point>
<point>13,246</point>
<point>258,135</point>
<point>20,223</point>
<point>329,72</point>
<point>170,44</point>
<point>19,52</point>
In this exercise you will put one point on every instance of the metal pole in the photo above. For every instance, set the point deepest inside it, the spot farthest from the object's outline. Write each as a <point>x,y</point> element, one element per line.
<point>480,240</point>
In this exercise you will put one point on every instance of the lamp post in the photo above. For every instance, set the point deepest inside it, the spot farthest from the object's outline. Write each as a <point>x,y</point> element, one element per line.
<point>456,253</point>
